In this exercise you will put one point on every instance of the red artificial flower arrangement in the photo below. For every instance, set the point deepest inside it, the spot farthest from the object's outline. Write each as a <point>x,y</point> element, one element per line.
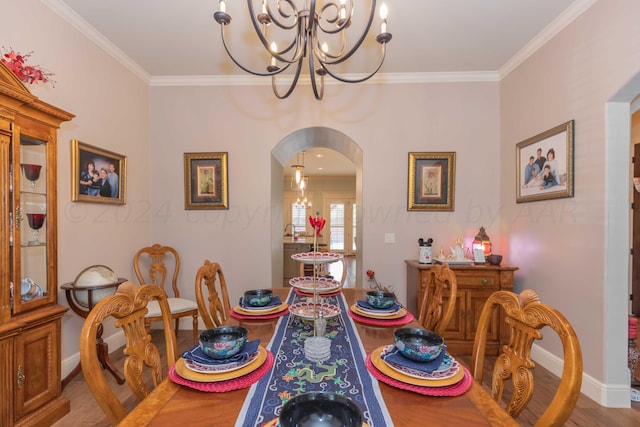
<point>29,74</point>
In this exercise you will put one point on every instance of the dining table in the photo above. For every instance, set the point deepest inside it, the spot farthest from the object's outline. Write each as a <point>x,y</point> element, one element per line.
<point>171,404</point>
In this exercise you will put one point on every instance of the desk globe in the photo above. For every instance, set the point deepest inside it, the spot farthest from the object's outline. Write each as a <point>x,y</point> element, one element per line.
<point>91,286</point>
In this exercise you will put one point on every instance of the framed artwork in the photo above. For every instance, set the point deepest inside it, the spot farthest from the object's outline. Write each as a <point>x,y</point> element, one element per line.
<point>97,175</point>
<point>205,181</point>
<point>544,165</point>
<point>431,181</point>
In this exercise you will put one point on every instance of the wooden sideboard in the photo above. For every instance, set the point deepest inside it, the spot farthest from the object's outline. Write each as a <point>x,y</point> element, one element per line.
<point>475,285</point>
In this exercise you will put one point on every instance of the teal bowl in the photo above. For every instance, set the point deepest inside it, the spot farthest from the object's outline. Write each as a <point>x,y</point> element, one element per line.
<point>223,342</point>
<point>381,299</point>
<point>258,297</point>
<point>418,344</point>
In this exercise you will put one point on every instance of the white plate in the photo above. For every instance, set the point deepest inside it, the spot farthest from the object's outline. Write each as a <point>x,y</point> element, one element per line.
<point>316,257</point>
<point>323,284</point>
<point>194,366</point>
<point>448,368</point>
<point>305,310</point>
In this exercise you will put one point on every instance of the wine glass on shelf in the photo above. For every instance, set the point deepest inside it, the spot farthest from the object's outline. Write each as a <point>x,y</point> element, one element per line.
<point>31,172</point>
<point>36,221</point>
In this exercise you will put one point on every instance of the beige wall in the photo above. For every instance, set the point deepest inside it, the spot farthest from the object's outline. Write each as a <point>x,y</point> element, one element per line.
<point>385,122</point>
<point>557,244</point>
<point>111,107</point>
<point>562,246</point>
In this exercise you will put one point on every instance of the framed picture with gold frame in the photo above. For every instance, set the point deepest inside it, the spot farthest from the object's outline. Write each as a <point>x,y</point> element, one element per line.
<point>97,175</point>
<point>544,165</point>
<point>431,181</point>
<point>205,181</point>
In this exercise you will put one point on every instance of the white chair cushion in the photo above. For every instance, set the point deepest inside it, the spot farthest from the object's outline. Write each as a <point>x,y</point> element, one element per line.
<point>176,305</point>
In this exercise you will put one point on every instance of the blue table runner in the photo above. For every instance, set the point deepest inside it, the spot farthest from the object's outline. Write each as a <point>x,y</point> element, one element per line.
<point>344,373</point>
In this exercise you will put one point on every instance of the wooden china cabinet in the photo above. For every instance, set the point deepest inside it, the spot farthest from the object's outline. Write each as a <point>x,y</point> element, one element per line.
<point>30,317</point>
<point>475,284</point>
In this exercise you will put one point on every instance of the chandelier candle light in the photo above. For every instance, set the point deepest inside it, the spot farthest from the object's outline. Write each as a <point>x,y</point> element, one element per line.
<point>315,31</point>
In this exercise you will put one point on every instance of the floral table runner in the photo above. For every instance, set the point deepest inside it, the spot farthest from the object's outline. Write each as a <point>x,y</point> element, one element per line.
<point>344,373</point>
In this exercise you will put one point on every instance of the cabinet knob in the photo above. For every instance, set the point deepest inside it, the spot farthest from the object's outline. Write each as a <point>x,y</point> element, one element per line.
<point>484,281</point>
<point>20,376</point>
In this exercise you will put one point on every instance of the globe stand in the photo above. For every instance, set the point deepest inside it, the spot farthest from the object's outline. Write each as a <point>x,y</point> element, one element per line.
<point>101,346</point>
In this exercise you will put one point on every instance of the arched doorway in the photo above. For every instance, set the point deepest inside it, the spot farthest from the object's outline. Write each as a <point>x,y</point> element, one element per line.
<point>296,142</point>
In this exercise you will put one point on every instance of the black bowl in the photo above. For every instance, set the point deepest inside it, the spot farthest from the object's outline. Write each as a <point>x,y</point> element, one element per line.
<point>418,344</point>
<point>494,259</point>
<point>258,297</point>
<point>320,409</point>
<point>223,342</point>
<point>381,299</point>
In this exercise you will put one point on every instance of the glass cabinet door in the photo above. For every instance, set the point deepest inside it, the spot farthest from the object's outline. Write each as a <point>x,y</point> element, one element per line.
<point>31,216</point>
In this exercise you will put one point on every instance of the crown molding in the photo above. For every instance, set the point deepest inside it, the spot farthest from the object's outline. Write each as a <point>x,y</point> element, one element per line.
<point>380,78</point>
<point>90,32</point>
<point>549,32</point>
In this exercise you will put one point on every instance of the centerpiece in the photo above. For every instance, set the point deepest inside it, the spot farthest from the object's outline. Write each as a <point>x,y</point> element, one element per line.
<point>318,347</point>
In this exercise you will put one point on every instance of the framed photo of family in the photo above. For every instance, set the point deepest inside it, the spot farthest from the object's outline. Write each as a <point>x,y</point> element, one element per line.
<point>431,181</point>
<point>205,181</point>
<point>544,165</point>
<point>97,175</point>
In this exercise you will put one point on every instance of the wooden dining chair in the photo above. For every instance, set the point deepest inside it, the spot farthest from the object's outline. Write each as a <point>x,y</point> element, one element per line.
<point>438,299</point>
<point>128,306</point>
<point>525,316</point>
<point>323,270</point>
<point>213,304</point>
<point>152,265</point>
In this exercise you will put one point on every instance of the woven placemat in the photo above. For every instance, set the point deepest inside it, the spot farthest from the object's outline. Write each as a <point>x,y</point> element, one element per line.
<point>451,390</point>
<point>407,318</point>
<point>228,385</point>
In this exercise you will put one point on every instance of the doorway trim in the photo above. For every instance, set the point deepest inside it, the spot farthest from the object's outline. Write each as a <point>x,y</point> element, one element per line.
<point>289,146</point>
<point>617,229</point>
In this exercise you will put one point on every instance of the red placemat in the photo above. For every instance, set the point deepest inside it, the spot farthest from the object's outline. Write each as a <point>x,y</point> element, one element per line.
<point>258,316</point>
<point>407,318</point>
<point>305,294</point>
<point>228,385</point>
<point>451,390</point>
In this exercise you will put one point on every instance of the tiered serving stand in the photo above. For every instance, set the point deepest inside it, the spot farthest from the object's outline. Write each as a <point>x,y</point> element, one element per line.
<point>318,347</point>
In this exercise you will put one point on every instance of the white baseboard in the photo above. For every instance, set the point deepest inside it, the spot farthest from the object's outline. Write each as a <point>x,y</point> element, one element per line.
<point>607,395</point>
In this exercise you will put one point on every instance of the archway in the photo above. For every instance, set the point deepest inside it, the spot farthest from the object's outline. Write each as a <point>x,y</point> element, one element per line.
<point>291,144</point>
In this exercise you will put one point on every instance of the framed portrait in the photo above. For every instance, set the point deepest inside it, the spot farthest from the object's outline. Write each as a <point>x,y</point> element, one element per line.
<point>97,175</point>
<point>205,181</point>
<point>544,165</point>
<point>431,181</point>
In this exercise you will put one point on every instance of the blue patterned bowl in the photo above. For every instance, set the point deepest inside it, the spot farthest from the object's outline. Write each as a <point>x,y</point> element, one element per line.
<point>320,409</point>
<point>418,344</point>
<point>258,297</point>
<point>223,342</point>
<point>381,299</point>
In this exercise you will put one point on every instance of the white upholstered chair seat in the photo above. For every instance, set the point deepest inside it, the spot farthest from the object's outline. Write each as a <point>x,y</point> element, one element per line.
<point>176,305</point>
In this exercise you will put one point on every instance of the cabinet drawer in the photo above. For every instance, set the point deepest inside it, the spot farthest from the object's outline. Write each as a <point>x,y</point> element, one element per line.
<point>486,279</point>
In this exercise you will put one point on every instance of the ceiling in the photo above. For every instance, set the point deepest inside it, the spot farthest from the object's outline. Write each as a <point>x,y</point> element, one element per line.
<point>179,42</point>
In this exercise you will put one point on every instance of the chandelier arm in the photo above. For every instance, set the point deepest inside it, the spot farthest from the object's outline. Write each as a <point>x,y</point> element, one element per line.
<point>291,87</point>
<point>280,23</point>
<point>357,45</point>
<point>318,90</point>
<point>342,23</point>
<point>255,73</point>
<point>363,79</point>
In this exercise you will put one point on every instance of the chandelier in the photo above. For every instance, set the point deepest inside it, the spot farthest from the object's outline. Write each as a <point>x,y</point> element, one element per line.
<point>313,30</point>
